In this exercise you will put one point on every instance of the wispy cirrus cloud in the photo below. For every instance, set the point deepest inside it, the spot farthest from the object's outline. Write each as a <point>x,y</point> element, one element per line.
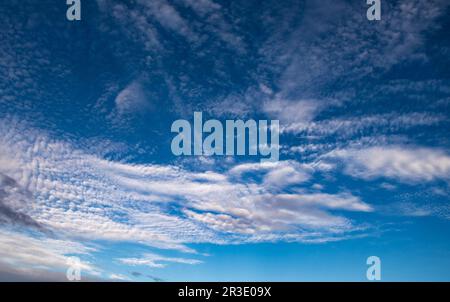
<point>414,209</point>
<point>400,163</point>
<point>41,257</point>
<point>156,261</point>
<point>350,127</point>
<point>345,47</point>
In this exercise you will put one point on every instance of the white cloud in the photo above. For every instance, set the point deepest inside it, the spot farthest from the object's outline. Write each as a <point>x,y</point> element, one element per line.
<point>275,174</point>
<point>169,17</point>
<point>131,99</point>
<point>351,126</point>
<point>27,255</point>
<point>118,277</point>
<point>293,112</point>
<point>157,261</point>
<point>80,194</point>
<point>402,163</point>
<point>266,214</point>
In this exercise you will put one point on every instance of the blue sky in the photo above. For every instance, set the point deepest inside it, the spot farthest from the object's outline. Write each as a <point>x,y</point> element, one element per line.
<point>86,168</point>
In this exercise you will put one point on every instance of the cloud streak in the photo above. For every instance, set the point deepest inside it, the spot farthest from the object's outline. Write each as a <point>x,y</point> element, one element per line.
<point>156,261</point>
<point>402,163</point>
